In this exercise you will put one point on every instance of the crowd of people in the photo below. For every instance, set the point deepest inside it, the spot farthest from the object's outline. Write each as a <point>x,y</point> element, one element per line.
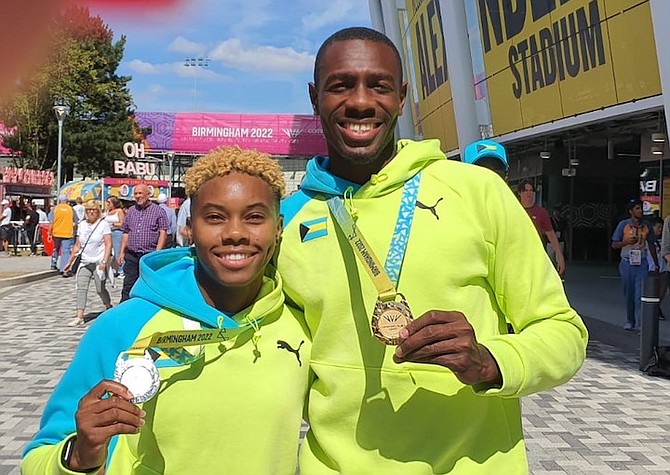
<point>92,244</point>
<point>19,219</point>
<point>643,244</point>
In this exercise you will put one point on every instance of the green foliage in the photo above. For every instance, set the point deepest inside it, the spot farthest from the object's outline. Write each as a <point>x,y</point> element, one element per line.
<point>81,72</point>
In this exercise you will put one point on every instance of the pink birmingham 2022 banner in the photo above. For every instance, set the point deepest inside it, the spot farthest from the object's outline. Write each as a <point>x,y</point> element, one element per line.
<point>276,134</point>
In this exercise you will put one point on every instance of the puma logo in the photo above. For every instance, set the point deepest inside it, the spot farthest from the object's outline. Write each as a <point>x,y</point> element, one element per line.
<point>282,345</point>
<point>420,205</point>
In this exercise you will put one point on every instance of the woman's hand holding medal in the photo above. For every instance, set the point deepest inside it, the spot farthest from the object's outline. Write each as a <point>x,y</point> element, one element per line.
<point>446,338</point>
<point>99,418</point>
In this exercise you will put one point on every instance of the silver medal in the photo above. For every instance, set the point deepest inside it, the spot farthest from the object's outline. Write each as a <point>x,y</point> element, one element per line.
<point>139,375</point>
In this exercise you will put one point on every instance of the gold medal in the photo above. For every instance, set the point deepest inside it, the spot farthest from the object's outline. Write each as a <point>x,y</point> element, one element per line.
<point>389,318</point>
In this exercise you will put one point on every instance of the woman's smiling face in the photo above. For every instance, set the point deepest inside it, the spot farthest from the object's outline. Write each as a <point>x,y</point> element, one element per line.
<point>236,226</point>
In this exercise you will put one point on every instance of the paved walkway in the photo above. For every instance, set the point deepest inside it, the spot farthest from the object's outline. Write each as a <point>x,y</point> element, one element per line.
<point>38,347</point>
<point>595,292</point>
<point>609,419</point>
<point>15,266</point>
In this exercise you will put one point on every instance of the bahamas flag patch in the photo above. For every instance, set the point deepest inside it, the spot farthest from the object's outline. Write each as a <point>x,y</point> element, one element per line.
<point>313,229</point>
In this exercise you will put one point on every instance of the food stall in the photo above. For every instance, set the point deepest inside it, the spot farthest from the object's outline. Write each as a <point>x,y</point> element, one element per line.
<point>122,188</point>
<point>19,185</point>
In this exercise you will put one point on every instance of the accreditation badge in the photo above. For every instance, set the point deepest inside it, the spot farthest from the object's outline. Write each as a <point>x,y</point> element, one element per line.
<point>139,375</point>
<point>635,257</point>
<point>389,318</point>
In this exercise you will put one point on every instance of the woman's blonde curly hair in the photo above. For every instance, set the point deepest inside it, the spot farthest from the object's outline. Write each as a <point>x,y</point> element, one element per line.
<point>223,161</point>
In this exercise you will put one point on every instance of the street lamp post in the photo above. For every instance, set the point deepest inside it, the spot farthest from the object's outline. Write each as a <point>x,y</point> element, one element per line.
<point>196,63</point>
<point>170,157</point>
<point>61,111</point>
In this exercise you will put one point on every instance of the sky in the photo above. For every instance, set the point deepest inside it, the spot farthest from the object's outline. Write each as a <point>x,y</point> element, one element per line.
<point>260,52</point>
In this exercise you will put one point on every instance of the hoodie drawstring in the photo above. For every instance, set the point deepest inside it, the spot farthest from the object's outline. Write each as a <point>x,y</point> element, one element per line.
<point>349,202</point>
<point>256,336</point>
<point>376,179</point>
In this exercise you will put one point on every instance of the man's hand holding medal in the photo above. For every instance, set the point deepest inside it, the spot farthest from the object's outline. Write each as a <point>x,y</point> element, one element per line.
<point>439,337</point>
<point>446,338</point>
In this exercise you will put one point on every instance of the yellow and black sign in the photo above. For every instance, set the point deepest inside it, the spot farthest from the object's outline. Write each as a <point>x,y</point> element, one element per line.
<point>429,58</point>
<point>550,59</point>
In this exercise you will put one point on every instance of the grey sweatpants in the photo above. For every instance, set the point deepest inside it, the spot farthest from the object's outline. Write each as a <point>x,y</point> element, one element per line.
<point>85,273</point>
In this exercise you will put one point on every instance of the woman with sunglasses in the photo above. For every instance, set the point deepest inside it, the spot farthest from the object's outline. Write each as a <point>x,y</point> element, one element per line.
<point>94,243</point>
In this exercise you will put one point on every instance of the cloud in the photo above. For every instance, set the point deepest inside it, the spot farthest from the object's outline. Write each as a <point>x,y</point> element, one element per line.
<point>335,11</point>
<point>176,69</point>
<point>182,45</point>
<point>142,67</point>
<point>261,58</point>
<point>157,90</point>
<point>254,14</point>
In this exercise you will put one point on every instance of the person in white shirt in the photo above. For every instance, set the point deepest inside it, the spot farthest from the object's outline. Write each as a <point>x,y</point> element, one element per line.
<point>172,219</point>
<point>79,209</point>
<point>43,216</point>
<point>5,227</point>
<point>94,242</point>
<point>183,230</point>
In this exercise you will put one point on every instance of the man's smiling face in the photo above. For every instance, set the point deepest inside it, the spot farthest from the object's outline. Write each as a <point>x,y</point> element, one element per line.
<point>359,96</point>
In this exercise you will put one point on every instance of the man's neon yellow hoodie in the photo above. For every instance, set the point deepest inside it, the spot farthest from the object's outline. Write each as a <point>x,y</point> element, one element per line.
<point>471,248</point>
<point>238,409</point>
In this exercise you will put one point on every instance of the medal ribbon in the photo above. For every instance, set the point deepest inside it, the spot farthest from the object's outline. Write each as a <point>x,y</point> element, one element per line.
<point>174,343</point>
<point>384,278</point>
<point>181,338</point>
<point>396,253</point>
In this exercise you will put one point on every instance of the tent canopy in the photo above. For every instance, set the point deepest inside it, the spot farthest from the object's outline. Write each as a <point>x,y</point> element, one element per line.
<point>86,189</point>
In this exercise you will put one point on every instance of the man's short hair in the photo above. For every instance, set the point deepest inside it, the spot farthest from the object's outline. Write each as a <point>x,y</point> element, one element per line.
<point>355,33</point>
<point>223,161</point>
<point>632,203</point>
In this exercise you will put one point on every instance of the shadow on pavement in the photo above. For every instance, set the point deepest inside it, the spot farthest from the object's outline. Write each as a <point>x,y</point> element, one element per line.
<point>615,346</point>
<point>90,316</point>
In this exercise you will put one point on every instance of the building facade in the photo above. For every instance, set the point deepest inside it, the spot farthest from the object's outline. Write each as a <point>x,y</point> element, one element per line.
<point>572,88</point>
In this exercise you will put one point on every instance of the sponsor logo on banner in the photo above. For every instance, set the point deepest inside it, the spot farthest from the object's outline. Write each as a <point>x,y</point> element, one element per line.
<point>292,133</point>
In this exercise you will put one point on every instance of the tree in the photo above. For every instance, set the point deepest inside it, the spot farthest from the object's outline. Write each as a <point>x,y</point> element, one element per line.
<point>80,71</point>
<point>27,117</point>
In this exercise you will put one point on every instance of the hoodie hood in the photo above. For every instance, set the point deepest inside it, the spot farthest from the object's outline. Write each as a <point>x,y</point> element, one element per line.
<point>411,157</point>
<point>167,279</point>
